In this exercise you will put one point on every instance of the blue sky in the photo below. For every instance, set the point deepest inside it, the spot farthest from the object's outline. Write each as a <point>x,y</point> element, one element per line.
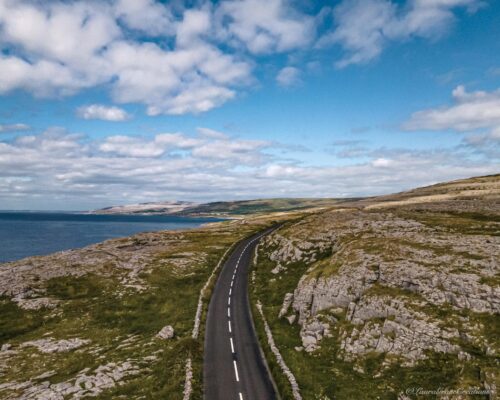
<point>129,101</point>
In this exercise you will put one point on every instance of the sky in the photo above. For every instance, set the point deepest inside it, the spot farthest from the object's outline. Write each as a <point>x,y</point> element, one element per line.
<point>127,101</point>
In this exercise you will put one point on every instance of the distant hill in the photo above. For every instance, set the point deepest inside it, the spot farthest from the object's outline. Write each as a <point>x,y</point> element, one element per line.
<point>460,194</point>
<point>245,207</point>
<point>220,208</point>
<point>164,207</point>
<point>462,190</point>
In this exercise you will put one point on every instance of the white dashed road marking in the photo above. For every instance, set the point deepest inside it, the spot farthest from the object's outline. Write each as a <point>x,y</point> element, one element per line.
<point>236,371</point>
<point>229,311</point>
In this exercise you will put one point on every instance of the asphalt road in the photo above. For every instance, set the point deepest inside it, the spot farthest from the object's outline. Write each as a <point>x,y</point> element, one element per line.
<point>233,367</point>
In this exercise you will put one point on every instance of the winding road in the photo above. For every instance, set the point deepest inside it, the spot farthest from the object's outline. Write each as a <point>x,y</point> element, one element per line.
<point>233,367</point>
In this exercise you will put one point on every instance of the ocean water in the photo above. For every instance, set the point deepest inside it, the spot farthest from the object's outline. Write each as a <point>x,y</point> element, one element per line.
<point>24,234</point>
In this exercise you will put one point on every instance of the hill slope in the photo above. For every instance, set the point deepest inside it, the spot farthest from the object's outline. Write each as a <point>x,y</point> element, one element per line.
<point>371,298</point>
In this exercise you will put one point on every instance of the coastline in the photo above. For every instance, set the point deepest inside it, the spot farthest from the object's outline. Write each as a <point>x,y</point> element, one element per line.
<point>26,234</point>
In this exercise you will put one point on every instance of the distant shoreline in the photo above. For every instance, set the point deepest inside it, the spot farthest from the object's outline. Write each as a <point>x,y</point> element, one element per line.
<point>27,234</point>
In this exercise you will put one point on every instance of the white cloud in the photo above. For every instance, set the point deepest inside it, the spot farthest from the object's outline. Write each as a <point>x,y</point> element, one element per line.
<point>382,162</point>
<point>130,146</point>
<point>98,111</point>
<point>209,147</point>
<point>66,32</point>
<point>76,172</point>
<point>160,144</point>
<point>211,133</point>
<point>146,15</point>
<point>365,27</point>
<point>242,151</point>
<point>178,60</point>
<point>187,80</point>
<point>58,49</point>
<point>265,26</point>
<point>288,76</point>
<point>177,140</point>
<point>5,128</point>
<point>474,114</point>
<point>194,24</point>
<point>471,111</point>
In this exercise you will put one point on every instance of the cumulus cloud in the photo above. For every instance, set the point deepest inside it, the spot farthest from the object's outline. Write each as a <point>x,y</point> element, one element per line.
<point>131,147</point>
<point>58,49</point>
<point>146,16</point>
<point>288,76</point>
<point>53,49</point>
<point>98,111</point>
<point>265,26</point>
<point>214,147</point>
<point>472,110</point>
<point>364,27</point>
<point>61,48</point>
<point>73,171</point>
<point>176,59</point>
<point>6,128</point>
<point>474,114</point>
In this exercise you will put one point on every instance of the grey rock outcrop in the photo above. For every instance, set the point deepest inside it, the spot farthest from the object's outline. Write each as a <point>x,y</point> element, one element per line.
<point>287,301</point>
<point>382,271</point>
<point>167,332</point>
<point>83,385</point>
<point>49,345</point>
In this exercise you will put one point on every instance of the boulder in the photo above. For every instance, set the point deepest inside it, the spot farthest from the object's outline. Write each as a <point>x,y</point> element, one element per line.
<point>167,332</point>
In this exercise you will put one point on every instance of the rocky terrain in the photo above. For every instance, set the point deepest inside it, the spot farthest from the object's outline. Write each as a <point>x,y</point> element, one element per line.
<point>372,298</point>
<point>363,299</point>
<point>112,320</point>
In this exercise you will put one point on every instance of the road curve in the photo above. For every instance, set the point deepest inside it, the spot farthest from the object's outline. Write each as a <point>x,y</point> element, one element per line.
<point>233,368</point>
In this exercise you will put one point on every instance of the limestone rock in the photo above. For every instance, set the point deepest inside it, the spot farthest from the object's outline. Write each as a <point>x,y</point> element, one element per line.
<point>384,269</point>
<point>82,386</point>
<point>6,347</point>
<point>287,301</point>
<point>49,345</point>
<point>167,332</point>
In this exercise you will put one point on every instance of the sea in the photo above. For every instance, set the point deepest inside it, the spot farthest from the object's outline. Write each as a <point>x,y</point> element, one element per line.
<point>25,234</point>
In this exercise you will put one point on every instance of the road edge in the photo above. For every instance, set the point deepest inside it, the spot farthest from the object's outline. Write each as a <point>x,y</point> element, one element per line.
<point>249,305</point>
<point>212,284</point>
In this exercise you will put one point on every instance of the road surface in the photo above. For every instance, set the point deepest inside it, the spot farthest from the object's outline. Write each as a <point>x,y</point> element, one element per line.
<point>233,368</point>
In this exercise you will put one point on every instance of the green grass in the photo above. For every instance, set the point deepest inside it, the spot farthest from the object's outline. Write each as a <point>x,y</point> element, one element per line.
<point>325,374</point>
<point>71,288</point>
<point>99,308</point>
<point>248,207</point>
<point>466,223</point>
<point>392,292</point>
<point>14,321</point>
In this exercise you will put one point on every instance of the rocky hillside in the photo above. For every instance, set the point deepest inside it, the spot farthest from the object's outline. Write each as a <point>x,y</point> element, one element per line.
<point>375,298</point>
<point>112,320</point>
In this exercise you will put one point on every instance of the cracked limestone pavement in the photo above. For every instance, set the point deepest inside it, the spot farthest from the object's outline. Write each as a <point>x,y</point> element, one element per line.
<point>397,290</point>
